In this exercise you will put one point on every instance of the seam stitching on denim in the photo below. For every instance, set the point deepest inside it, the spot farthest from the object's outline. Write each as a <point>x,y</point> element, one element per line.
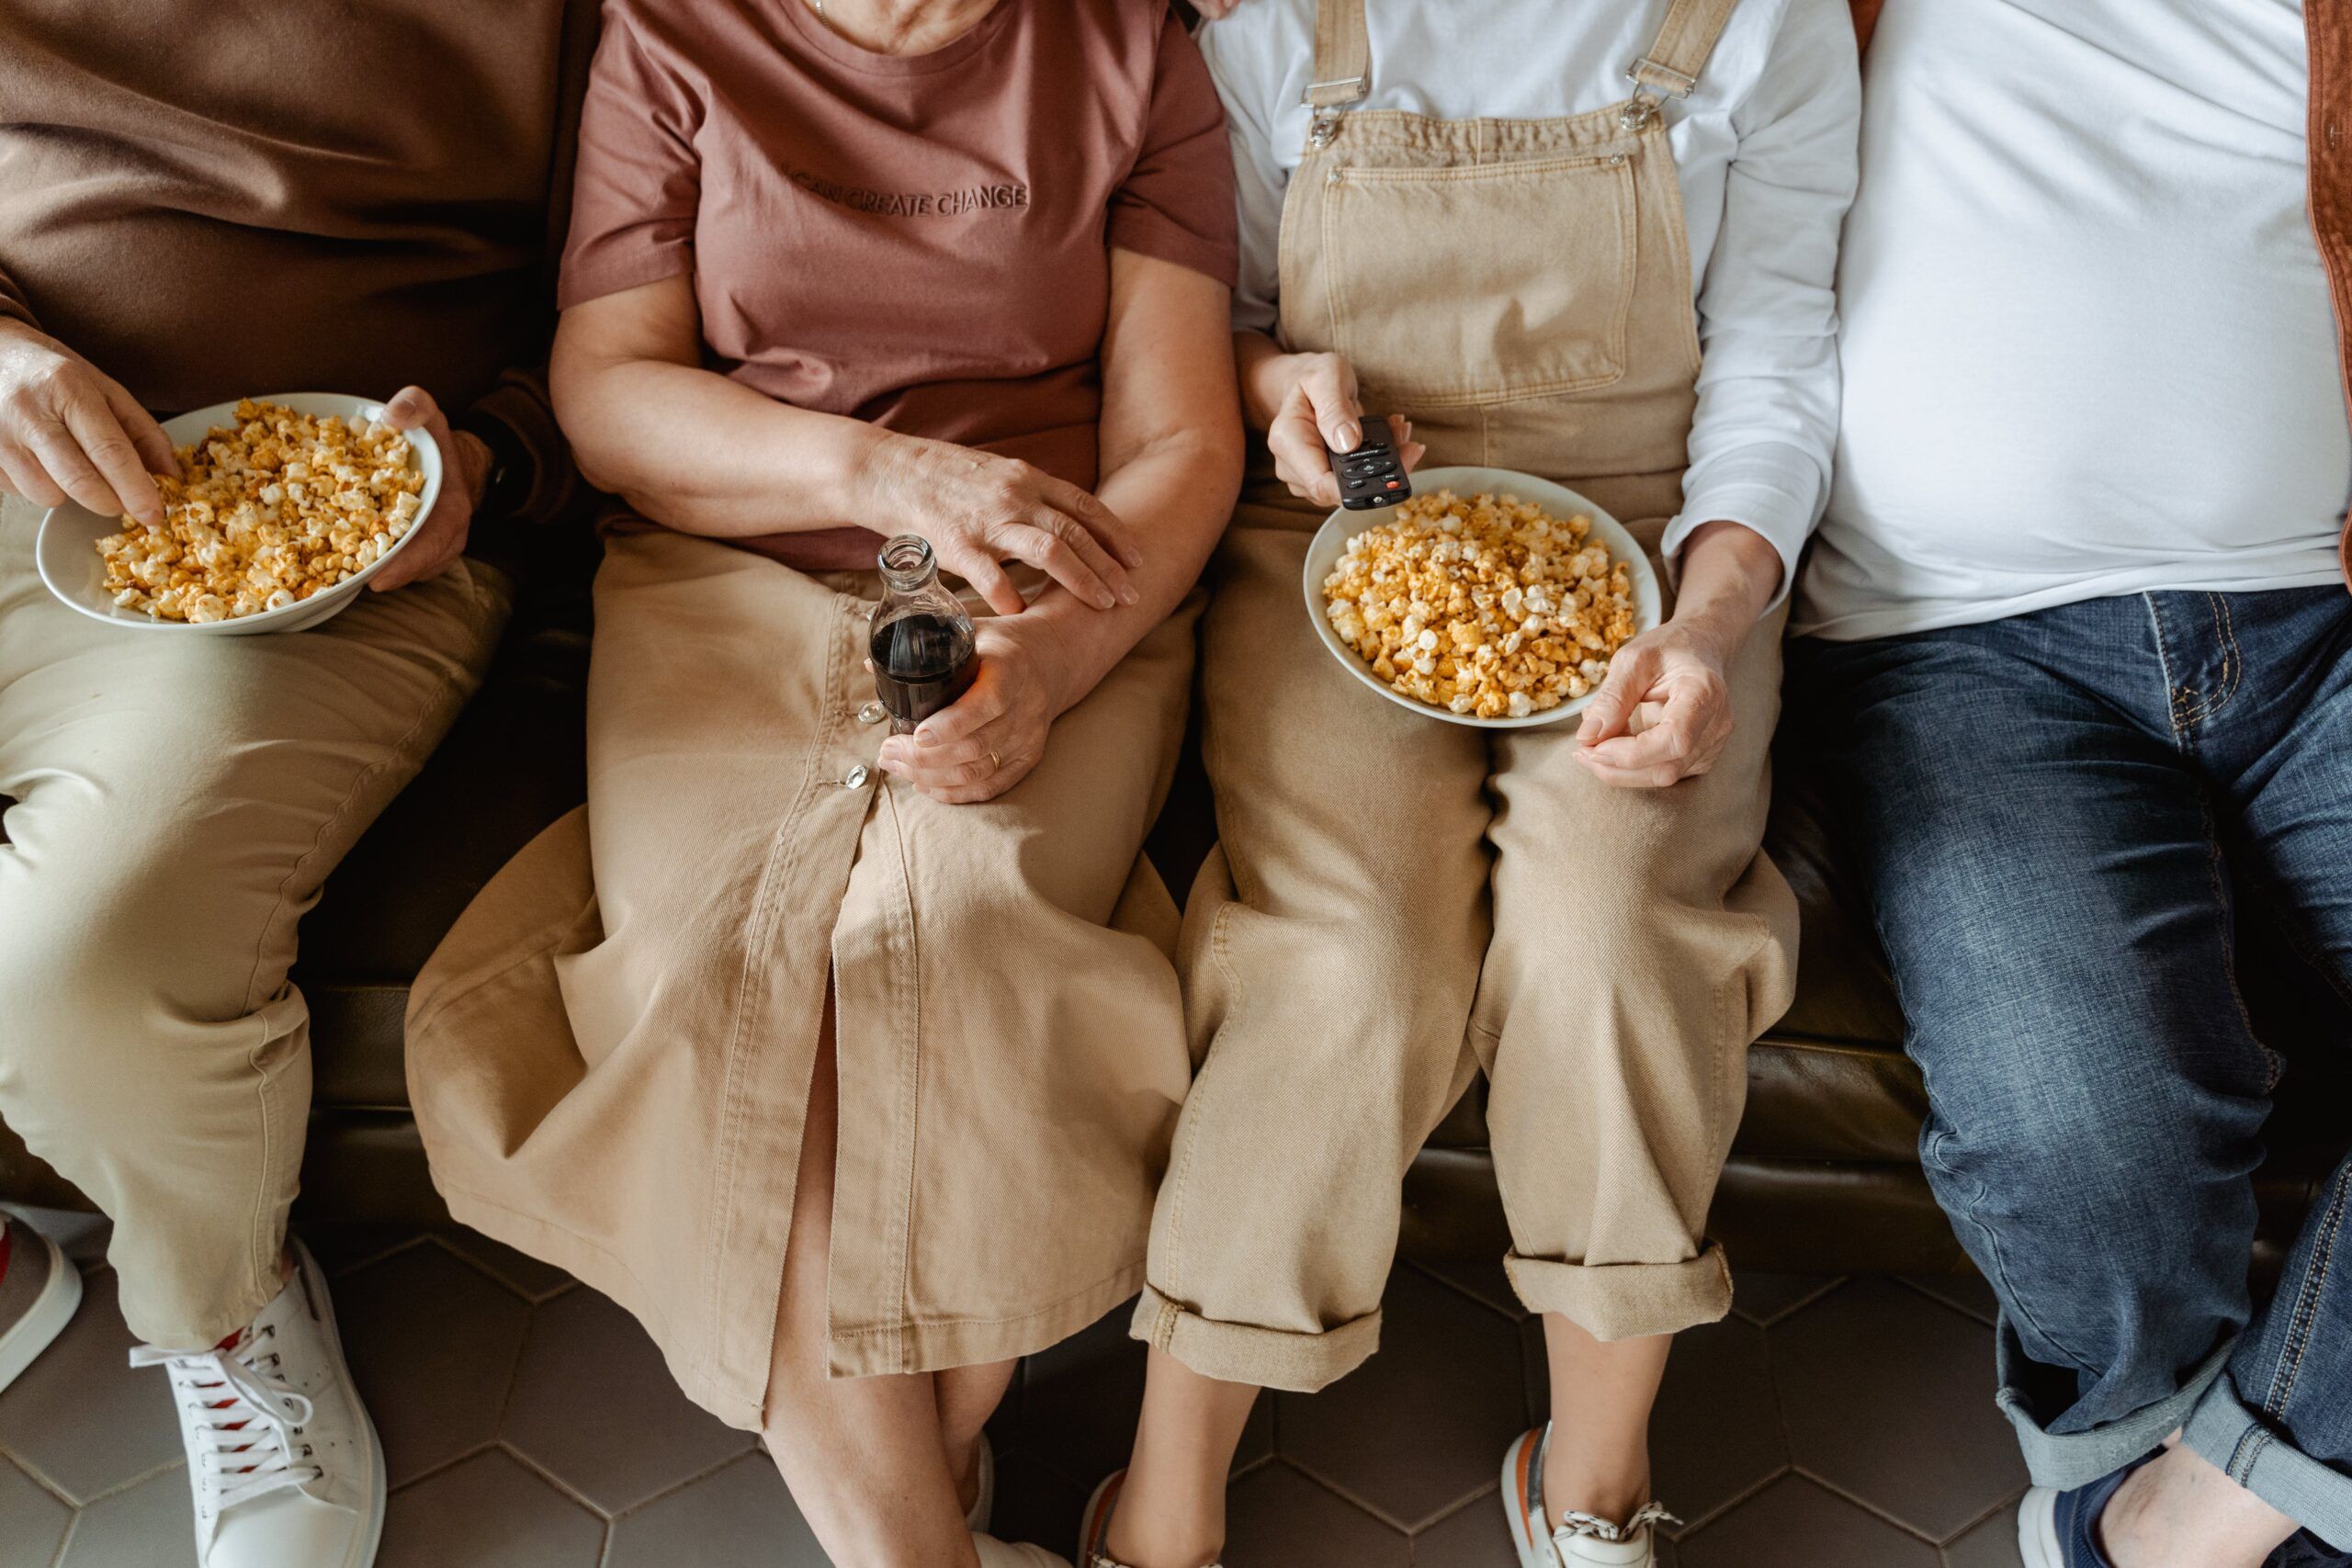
<point>2164,661</point>
<point>2298,1328</point>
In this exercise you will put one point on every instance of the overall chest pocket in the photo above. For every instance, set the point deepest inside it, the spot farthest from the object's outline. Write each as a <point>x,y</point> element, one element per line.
<point>1482,283</point>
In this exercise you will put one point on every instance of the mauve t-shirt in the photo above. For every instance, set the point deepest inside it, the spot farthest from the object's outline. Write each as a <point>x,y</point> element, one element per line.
<point>922,241</point>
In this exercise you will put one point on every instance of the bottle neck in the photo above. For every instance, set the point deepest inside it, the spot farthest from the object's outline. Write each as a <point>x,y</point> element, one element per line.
<point>907,564</point>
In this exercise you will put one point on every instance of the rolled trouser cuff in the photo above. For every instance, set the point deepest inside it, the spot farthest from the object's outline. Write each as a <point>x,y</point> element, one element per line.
<point>2064,1461</point>
<point>2227,1431</point>
<point>1626,1300</point>
<point>1246,1353</point>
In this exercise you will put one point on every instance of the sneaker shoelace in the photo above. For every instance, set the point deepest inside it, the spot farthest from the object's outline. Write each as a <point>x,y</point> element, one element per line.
<point>244,1426</point>
<point>1574,1524</point>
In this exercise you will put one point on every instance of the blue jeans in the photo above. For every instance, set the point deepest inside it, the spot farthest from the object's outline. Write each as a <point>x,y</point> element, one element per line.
<point>2049,812</point>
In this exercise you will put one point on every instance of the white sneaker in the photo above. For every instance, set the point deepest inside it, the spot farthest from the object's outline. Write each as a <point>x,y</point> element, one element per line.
<point>984,1505</point>
<point>995,1553</point>
<point>1094,1524</point>
<point>1581,1541</point>
<point>39,1291</point>
<point>282,1457</point>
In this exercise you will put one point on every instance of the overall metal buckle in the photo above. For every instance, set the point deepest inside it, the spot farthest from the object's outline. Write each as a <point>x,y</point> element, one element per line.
<point>1326,123</point>
<point>1643,107</point>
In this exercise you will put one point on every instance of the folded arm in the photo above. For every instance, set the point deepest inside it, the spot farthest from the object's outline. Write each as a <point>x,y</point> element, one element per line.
<point>701,454</point>
<point>1171,453</point>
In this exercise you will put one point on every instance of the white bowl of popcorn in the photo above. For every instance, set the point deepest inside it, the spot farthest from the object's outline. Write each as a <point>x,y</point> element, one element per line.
<point>284,508</point>
<point>1491,598</point>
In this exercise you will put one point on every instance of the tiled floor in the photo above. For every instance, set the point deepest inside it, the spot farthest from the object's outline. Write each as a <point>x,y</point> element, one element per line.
<point>529,1423</point>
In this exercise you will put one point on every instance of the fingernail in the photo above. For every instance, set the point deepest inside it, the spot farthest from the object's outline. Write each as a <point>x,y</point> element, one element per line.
<point>926,737</point>
<point>1351,435</point>
<point>1103,598</point>
<point>1129,596</point>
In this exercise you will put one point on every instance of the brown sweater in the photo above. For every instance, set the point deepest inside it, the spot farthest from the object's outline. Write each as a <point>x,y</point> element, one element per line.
<point>217,198</point>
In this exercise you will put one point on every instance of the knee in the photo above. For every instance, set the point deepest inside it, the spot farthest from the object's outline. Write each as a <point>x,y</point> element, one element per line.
<point>2135,1165</point>
<point>91,981</point>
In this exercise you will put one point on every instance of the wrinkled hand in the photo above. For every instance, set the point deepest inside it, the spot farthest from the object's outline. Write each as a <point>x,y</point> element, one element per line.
<point>1663,714</point>
<point>68,432</point>
<point>979,510</point>
<point>995,732</point>
<point>464,466</point>
<point>1318,415</point>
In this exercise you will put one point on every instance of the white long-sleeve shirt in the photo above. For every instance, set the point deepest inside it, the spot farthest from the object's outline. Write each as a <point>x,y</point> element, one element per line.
<point>2089,344</point>
<point>1765,149</point>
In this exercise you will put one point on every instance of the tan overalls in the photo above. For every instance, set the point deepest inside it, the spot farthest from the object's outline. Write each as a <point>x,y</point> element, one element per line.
<point>1399,901</point>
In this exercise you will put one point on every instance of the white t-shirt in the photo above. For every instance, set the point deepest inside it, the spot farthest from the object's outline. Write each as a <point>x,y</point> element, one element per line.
<point>1765,147</point>
<point>2087,342</point>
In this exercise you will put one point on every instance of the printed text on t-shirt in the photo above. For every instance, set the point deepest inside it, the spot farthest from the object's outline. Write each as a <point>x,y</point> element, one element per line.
<point>912,204</point>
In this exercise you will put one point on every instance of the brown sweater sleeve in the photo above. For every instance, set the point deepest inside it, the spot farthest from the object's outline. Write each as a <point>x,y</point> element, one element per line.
<point>520,401</point>
<point>14,306</point>
<point>1866,20</point>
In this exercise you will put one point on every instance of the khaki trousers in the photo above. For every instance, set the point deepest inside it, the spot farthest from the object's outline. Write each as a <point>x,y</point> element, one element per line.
<point>171,807</point>
<point>1397,902</point>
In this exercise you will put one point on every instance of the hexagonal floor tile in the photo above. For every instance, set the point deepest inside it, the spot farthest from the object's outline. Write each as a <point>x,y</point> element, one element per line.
<point>1482,1279</point>
<point>1276,1517</point>
<point>151,1524</point>
<point>1420,1427</point>
<point>595,1404</point>
<point>1715,1434</point>
<point>1888,1396</point>
<point>739,1517</point>
<point>1993,1544</point>
<point>1078,1400</point>
<point>80,1418</point>
<point>1768,1298</point>
<point>340,1249</point>
<point>31,1521</point>
<point>488,1512</point>
<point>431,1344</point>
<point>1472,1535</point>
<point>534,1280</point>
<point>1795,1524</point>
<point>1969,1292</point>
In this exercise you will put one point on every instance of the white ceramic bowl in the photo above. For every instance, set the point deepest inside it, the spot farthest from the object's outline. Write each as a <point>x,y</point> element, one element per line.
<point>1331,542</point>
<point>66,548</point>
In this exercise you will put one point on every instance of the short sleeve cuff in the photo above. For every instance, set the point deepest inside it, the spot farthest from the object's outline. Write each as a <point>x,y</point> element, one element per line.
<point>593,277</point>
<point>1773,488</point>
<point>1149,233</point>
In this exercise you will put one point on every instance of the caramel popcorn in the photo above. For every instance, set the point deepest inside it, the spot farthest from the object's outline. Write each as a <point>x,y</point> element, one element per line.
<point>265,515</point>
<point>1489,606</point>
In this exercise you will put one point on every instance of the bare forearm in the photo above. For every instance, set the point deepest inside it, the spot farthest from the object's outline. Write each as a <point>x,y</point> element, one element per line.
<point>1265,379</point>
<point>1175,499</point>
<point>696,452</point>
<point>1729,573</point>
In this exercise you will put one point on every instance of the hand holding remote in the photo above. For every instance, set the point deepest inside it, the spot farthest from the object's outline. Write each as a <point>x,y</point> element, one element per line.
<point>1371,475</point>
<point>1308,406</point>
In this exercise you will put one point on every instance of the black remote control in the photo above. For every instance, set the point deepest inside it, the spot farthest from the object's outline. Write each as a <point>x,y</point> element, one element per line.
<point>1371,476</point>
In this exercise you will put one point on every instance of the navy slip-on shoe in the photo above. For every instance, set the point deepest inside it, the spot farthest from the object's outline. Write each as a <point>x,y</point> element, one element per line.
<point>2060,1529</point>
<point>2305,1551</point>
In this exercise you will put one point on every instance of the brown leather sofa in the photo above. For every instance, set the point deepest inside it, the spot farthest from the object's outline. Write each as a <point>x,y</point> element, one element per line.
<point>1825,1177</point>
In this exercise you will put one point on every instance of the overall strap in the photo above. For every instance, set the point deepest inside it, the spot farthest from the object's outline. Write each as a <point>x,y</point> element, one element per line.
<point>1343,64</point>
<point>1685,41</point>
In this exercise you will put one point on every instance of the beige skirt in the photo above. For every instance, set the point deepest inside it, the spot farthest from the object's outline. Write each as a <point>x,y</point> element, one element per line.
<point>610,1054</point>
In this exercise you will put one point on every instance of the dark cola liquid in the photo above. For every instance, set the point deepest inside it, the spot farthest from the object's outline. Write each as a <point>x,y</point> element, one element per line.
<point>921,664</point>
